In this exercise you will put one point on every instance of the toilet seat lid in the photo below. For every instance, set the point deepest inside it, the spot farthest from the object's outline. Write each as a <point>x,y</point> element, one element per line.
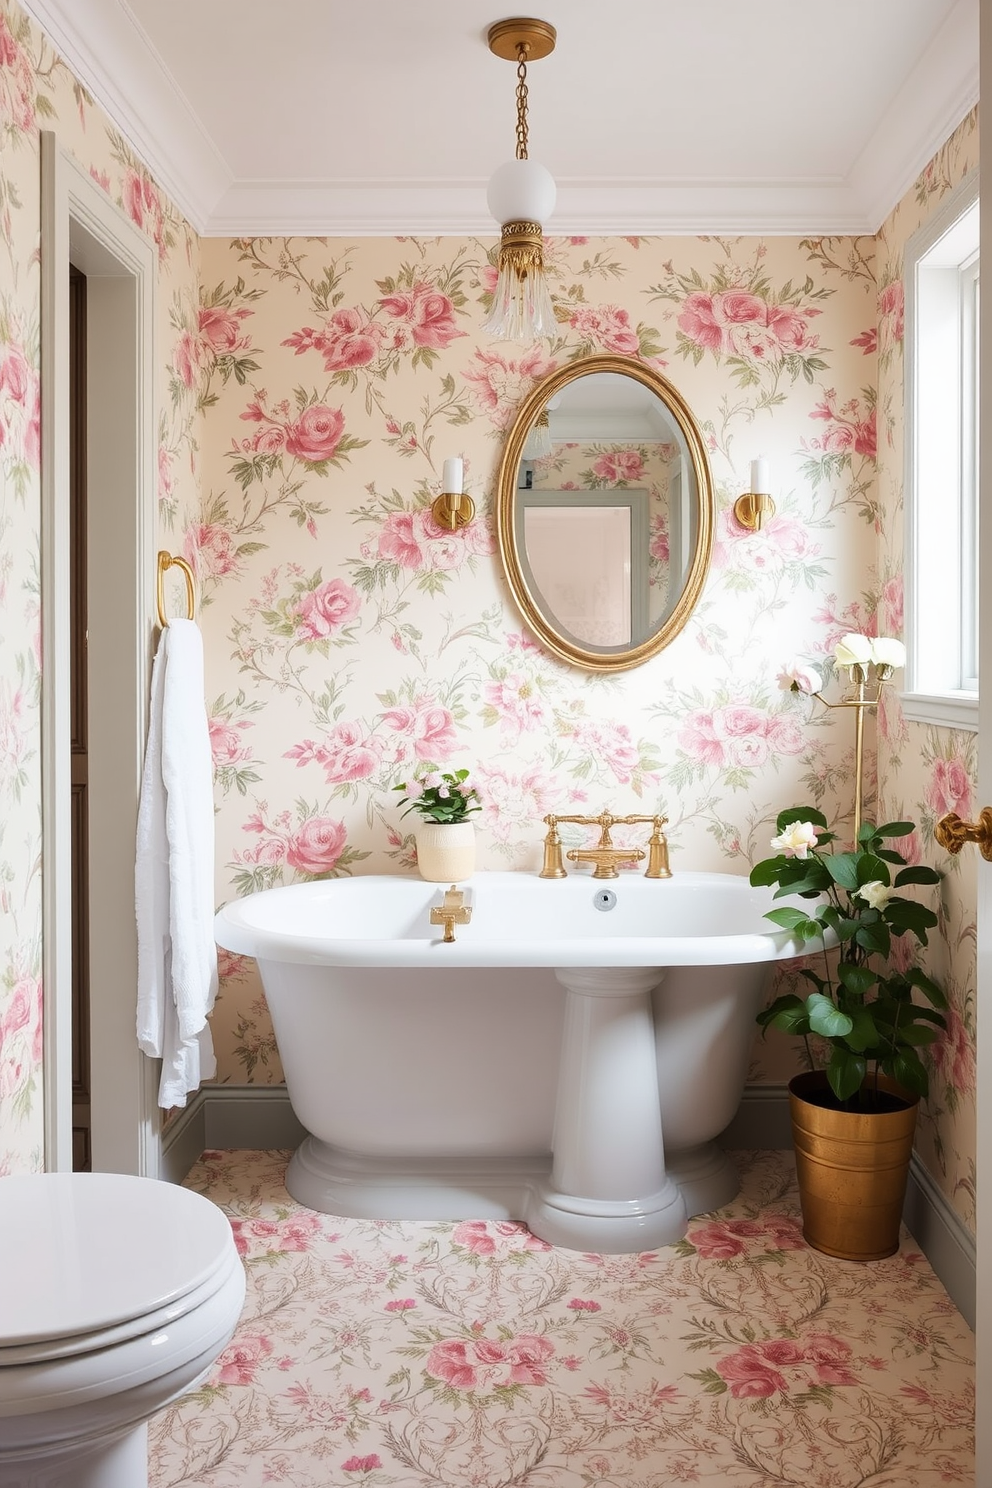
<point>83,1252</point>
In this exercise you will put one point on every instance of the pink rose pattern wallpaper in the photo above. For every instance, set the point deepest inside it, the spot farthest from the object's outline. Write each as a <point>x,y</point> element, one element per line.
<point>310,391</point>
<point>38,92</point>
<point>390,1355</point>
<point>924,771</point>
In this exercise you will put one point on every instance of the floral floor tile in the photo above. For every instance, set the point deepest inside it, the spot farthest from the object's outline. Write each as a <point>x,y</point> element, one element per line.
<point>471,1355</point>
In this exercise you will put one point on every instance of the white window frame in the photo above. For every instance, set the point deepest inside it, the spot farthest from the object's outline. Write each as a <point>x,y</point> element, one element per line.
<point>940,476</point>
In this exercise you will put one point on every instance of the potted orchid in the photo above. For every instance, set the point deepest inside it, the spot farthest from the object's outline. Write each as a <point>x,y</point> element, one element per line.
<point>860,1014</point>
<point>444,800</point>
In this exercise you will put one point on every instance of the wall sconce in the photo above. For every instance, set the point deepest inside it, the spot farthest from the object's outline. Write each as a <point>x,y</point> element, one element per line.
<point>452,509</point>
<point>521,197</point>
<point>755,505</point>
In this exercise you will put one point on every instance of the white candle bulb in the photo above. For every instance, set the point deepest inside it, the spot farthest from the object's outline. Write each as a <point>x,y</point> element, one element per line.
<point>760,479</point>
<point>452,479</point>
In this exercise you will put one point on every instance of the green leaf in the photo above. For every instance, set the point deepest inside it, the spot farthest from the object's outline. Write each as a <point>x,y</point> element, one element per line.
<point>871,870</point>
<point>915,1033</point>
<point>863,1035</point>
<point>895,829</point>
<point>845,1072</point>
<point>919,874</point>
<point>917,977</point>
<point>857,979</point>
<point>908,1069</point>
<point>906,914</point>
<point>788,1014</point>
<point>795,920</point>
<point>826,1019</point>
<point>843,869</point>
<point>873,937</point>
<point>800,814</point>
<point>766,872</point>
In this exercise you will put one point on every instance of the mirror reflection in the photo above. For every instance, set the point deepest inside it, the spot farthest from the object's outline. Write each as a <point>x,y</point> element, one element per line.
<point>607,529</point>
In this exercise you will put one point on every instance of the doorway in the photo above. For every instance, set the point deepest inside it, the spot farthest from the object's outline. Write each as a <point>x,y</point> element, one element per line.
<point>107,565</point>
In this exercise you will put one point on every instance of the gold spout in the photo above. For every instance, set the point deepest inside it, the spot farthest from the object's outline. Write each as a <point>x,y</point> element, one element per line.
<point>450,912</point>
<point>553,865</point>
<point>658,865</point>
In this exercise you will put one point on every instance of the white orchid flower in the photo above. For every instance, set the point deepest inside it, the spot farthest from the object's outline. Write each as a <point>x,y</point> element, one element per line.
<point>799,678</point>
<point>876,894</point>
<point>888,652</point>
<point>853,650</point>
<point>796,840</point>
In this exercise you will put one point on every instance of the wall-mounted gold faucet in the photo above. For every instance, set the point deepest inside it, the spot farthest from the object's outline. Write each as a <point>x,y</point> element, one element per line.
<point>606,857</point>
<point>450,912</point>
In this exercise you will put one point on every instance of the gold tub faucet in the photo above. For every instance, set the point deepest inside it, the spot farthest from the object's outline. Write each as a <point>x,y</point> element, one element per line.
<point>450,912</point>
<point>604,855</point>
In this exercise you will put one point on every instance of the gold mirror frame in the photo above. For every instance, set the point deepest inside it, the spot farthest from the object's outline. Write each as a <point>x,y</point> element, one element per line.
<point>506,488</point>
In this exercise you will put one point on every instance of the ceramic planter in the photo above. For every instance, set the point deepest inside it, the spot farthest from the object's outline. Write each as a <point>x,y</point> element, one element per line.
<point>852,1168</point>
<point>446,851</point>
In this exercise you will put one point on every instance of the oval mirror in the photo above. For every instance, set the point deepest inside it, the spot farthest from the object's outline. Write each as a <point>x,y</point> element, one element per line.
<point>605,512</point>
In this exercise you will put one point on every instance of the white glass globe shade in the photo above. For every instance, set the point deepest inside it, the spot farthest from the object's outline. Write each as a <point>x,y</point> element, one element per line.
<point>521,191</point>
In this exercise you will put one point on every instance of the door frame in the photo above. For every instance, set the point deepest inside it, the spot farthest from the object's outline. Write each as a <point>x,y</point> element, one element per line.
<point>81,223</point>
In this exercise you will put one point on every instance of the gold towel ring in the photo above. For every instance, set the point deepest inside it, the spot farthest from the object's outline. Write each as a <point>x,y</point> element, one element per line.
<point>166,560</point>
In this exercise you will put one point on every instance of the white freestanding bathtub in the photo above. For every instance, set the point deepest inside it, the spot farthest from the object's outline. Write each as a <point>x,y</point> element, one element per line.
<point>567,1061</point>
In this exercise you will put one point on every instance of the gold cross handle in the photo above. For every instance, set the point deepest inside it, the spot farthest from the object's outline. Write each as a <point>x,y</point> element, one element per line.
<point>951,832</point>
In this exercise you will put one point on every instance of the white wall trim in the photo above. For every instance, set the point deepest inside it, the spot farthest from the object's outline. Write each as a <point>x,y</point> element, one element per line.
<point>80,221</point>
<point>945,711</point>
<point>907,137</point>
<point>111,54</point>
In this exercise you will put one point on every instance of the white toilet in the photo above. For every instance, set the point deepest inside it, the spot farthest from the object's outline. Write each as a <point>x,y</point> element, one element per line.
<point>116,1296</point>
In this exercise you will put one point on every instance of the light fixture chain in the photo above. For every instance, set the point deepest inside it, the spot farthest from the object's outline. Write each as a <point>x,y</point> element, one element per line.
<point>523,48</point>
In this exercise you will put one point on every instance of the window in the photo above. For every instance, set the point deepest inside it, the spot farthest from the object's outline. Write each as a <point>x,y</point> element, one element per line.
<point>942,286</point>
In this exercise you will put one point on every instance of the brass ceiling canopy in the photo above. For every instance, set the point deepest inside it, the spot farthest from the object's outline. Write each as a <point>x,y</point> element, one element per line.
<point>507,37</point>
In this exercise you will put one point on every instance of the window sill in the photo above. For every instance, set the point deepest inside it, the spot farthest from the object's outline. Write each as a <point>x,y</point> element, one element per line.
<point>956,710</point>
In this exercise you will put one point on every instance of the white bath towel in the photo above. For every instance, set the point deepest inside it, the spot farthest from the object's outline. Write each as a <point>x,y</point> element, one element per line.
<point>174,871</point>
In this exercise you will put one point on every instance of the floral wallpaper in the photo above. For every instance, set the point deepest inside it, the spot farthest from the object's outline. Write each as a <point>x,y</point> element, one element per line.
<point>38,92</point>
<point>926,771</point>
<point>350,640</point>
<point>310,391</point>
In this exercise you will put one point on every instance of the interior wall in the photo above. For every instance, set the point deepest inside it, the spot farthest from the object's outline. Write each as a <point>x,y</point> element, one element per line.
<point>349,640</point>
<point>37,91</point>
<point>309,393</point>
<point>925,771</point>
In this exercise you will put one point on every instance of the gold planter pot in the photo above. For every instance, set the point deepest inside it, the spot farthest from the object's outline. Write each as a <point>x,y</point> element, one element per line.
<point>852,1168</point>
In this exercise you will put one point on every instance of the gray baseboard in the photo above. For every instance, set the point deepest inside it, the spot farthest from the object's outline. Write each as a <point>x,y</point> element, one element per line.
<point>261,1118</point>
<point>183,1139</point>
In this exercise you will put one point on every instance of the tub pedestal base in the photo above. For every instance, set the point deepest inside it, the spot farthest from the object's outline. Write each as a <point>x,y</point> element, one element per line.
<point>605,1187</point>
<point>608,1189</point>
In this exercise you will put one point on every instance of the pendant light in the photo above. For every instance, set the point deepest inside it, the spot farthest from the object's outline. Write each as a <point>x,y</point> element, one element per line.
<point>521,197</point>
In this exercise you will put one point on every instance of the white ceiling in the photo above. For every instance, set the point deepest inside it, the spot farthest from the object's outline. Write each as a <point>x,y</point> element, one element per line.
<point>654,116</point>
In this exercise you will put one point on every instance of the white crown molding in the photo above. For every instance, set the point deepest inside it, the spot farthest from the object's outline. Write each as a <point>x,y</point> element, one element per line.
<point>907,136</point>
<point>103,44</point>
<point>585,209</point>
<point>109,52</point>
